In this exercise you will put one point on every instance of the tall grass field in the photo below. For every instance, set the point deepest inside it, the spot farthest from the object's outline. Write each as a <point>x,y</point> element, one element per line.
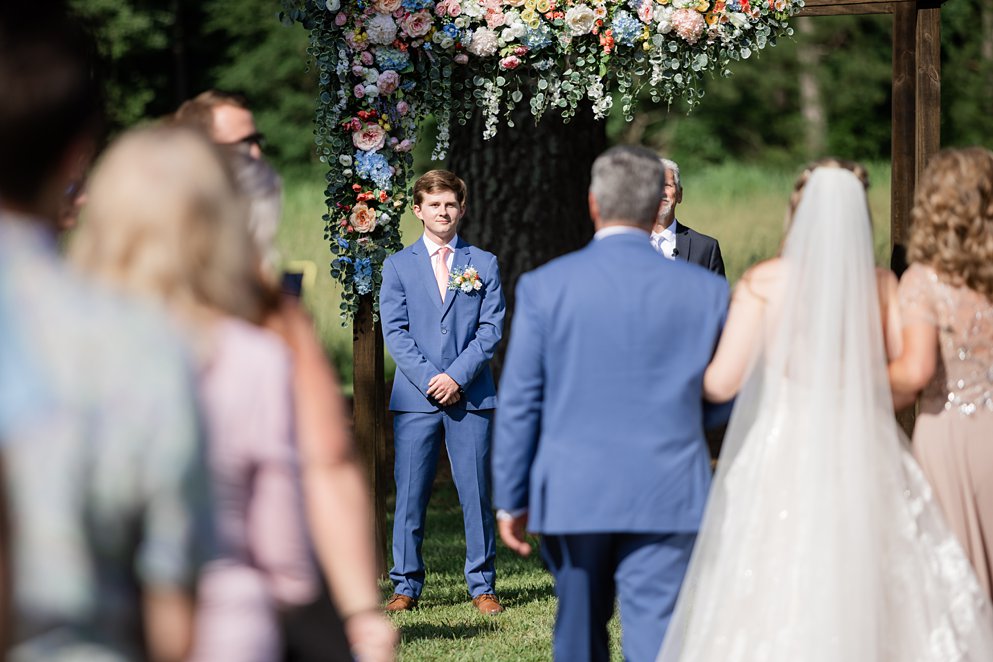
<point>741,205</point>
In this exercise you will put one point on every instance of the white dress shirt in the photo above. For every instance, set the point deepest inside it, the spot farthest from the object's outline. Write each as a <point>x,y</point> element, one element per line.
<point>433,251</point>
<point>665,241</point>
<point>611,230</point>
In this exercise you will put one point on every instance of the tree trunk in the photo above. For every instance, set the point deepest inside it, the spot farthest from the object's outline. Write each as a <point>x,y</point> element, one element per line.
<point>811,102</point>
<point>527,191</point>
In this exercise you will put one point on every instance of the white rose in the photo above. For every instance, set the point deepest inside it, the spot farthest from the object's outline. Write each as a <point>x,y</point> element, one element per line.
<point>739,20</point>
<point>484,42</point>
<point>472,9</point>
<point>370,75</point>
<point>371,90</point>
<point>382,29</point>
<point>333,5</point>
<point>663,16</point>
<point>512,32</point>
<point>580,20</point>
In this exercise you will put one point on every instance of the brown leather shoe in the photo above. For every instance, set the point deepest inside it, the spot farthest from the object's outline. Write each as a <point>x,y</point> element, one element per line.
<point>399,602</point>
<point>487,604</point>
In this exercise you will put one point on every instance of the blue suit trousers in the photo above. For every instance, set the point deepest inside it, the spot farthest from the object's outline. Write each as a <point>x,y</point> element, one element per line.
<point>643,570</point>
<point>417,440</point>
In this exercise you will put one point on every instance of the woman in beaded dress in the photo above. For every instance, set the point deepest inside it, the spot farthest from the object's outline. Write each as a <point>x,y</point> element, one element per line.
<point>946,301</point>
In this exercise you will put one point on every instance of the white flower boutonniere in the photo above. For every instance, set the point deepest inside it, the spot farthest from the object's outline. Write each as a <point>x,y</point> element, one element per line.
<point>466,279</point>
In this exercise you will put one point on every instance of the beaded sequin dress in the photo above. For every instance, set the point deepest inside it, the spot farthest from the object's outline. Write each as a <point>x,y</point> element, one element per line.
<point>953,438</point>
<point>822,540</point>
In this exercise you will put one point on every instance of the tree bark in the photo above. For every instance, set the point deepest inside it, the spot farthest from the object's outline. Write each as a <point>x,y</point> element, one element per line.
<point>527,188</point>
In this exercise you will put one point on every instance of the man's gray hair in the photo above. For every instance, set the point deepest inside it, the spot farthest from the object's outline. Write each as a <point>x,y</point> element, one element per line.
<point>627,183</point>
<point>673,167</point>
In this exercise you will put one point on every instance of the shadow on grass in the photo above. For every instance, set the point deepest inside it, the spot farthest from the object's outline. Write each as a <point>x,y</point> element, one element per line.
<point>415,632</point>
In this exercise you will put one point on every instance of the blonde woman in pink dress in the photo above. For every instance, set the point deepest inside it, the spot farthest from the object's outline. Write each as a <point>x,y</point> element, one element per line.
<point>165,220</point>
<point>946,301</point>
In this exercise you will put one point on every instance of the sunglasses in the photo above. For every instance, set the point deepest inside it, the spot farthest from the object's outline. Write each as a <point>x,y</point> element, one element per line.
<point>257,138</point>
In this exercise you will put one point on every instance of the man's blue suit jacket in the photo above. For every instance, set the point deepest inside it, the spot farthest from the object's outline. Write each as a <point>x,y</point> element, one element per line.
<point>426,336</point>
<point>601,420</point>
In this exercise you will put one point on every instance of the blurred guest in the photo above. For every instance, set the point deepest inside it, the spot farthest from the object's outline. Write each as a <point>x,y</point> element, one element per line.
<point>946,302</point>
<point>164,219</point>
<point>102,456</point>
<point>334,484</point>
<point>225,118</point>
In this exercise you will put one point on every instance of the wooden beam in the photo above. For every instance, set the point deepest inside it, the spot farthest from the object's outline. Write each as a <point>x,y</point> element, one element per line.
<point>851,7</point>
<point>847,8</point>
<point>369,414</point>
<point>928,118</point>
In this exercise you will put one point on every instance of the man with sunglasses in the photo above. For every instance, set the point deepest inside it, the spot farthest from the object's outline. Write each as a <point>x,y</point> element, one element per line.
<point>226,118</point>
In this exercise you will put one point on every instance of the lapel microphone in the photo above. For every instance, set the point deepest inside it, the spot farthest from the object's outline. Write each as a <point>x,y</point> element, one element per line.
<point>675,252</point>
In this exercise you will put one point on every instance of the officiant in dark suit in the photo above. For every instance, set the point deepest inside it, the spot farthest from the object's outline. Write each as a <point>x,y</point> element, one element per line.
<point>676,241</point>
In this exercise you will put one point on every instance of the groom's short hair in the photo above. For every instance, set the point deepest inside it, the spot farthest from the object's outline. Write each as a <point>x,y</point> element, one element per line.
<point>627,183</point>
<point>434,181</point>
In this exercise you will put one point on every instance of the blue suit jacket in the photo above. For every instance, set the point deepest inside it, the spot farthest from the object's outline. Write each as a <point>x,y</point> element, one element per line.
<point>426,336</point>
<point>600,426</point>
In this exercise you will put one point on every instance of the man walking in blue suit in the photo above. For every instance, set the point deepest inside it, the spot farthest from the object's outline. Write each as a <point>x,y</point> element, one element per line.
<point>442,312</point>
<point>599,442</point>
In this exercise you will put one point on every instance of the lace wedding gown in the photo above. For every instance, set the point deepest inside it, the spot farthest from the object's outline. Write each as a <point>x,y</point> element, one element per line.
<point>822,541</point>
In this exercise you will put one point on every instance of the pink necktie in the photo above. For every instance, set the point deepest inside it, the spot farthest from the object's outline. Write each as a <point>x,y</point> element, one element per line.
<point>441,269</point>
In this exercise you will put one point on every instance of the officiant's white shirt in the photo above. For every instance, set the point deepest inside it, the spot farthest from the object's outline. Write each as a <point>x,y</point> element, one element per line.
<point>665,242</point>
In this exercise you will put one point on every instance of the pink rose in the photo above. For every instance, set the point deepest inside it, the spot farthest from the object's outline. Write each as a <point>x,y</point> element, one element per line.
<point>646,11</point>
<point>388,82</point>
<point>510,62</point>
<point>403,108</point>
<point>387,6</point>
<point>448,8</point>
<point>417,24</point>
<point>521,51</point>
<point>340,19</point>
<point>404,146</point>
<point>495,19</point>
<point>366,58</point>
<point>358,92</point>
<point>363,219</point>
<point>358,70</point>
<point>461,58</point>
<point>371,138</point>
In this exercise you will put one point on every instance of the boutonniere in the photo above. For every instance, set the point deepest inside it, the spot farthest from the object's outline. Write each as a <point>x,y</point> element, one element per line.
<point>466,279</point>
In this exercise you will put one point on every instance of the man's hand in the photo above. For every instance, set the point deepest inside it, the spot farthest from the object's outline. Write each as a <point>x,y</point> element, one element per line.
<point>444,389</point>
<point>512,533</point>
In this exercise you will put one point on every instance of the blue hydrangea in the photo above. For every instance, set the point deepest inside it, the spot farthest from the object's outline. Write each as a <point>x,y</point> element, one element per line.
<point>391,58</point>
<point>417,5</point>
<point>635,5</point>
<point>539,38</point>
<point>452,30</point>
<point>626,28</point>
<point>374,167</point>
<point>343,243</point>
<point>363,276</point>
<point>732,5</point>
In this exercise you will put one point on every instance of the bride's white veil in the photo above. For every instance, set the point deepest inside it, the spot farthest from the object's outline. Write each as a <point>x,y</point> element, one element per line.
<point>796,535</point>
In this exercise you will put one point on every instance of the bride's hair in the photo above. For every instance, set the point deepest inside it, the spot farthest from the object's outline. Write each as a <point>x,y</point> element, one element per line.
<point>854,167</point>
<point>952,218</point>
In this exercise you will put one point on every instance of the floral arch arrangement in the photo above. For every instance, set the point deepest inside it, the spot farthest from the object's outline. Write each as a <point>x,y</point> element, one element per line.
<point>386,64</point>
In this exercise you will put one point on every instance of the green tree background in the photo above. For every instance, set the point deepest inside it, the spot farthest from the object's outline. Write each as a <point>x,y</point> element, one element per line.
<point>160,52</point>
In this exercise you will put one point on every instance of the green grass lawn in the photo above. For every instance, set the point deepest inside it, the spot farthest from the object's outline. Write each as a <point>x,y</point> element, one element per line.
<point>446,626</point>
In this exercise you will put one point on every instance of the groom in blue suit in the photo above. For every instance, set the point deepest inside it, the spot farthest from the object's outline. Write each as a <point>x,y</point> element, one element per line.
<point>599,443</point>
<point>442,313</point>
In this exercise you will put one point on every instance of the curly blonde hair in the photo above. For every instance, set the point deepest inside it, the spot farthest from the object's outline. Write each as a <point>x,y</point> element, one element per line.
<point>856,169</point>
<point>952,219</point>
